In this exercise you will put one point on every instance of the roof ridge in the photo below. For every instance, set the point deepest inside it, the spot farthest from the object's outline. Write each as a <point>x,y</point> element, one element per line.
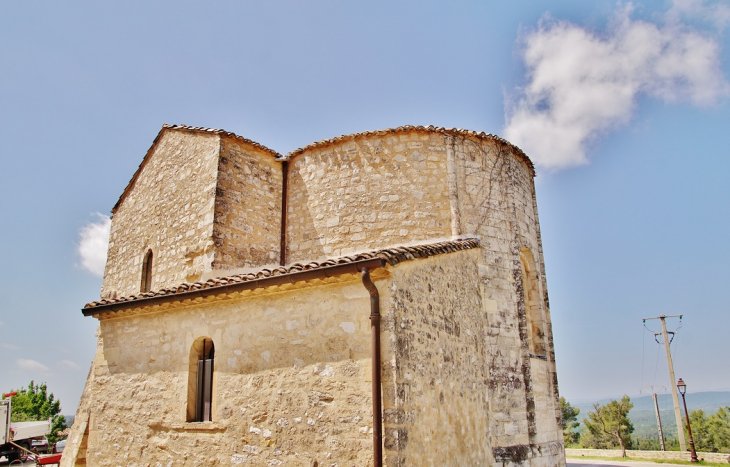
<point>322,143</point>
<point>392,255</point>
<point>220,131</point>
<point>405,128</point>
<point>167,126</point>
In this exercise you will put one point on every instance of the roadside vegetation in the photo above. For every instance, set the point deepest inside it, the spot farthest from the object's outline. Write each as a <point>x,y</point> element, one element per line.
<point>35,403</point>
<point>609,427</point>
<point>655,461</point>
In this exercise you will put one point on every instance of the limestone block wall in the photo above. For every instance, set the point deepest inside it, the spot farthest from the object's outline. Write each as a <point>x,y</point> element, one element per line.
<point>469,360</point>
<point>247,228</point>
<point>435,387</point>
<point>169,209</point>
<point>292,379</point>
<point>496,202</point>
<point>368,192</point>
<point>291,386</point>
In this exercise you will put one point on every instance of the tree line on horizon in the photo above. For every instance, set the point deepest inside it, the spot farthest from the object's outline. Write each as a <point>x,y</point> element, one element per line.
<point>609,427</point>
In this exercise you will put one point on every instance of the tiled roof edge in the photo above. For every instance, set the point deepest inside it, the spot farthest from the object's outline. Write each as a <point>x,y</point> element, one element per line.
<point>326,142</point>
<point>409,128</point>
<point>218,131</point>
<point>391,256</point>
<point>167,126</point>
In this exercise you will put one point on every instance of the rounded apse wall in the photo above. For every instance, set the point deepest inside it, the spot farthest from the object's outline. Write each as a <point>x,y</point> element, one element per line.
<point>408,185</point>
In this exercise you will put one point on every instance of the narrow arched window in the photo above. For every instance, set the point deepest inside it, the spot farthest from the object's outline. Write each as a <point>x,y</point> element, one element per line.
<point>533,309</point>
<point>200,381</point>
<point>146,284</point>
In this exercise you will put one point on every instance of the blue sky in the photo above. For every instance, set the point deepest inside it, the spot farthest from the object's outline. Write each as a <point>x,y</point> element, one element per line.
<point>625,108</point>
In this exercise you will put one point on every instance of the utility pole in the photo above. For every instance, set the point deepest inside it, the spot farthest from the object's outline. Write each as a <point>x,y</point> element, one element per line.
<point>656,409</point>
<point>675,396</point>
<point>658,421</point>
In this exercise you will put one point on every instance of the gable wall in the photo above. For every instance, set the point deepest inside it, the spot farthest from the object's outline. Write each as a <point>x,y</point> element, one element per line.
<point>169,210</point>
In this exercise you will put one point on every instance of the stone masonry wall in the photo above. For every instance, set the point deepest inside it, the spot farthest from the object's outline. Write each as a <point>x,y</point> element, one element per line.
<point>291,385</point>
<point>435,383</point>
<point>362,193</point>
<point>248,207</point>
<point>370,192</point>
<point>170,211</point>
<point>292,376</point>
<point>496,202</point>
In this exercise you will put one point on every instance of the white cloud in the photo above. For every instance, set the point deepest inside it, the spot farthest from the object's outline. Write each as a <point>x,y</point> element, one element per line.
<point>717,13</point>
<point>7,346</point>
<point>31,365</point>
<point>69,365</point>
<point>93,242</point>
<point>582,84</point>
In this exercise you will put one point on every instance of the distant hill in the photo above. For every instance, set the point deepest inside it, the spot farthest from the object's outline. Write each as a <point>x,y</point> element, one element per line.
<point>643,415</point>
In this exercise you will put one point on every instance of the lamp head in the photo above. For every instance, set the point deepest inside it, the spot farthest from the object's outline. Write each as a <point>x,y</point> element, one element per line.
<point>681,386</point>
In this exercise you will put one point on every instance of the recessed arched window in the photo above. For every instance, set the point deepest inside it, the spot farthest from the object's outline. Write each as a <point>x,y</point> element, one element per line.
<point>146,284</point>
<point>533,308</point>
<point>200,381</point>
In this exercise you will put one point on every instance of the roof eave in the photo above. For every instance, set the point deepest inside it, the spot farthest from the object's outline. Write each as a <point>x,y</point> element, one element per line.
<point>331,271</point>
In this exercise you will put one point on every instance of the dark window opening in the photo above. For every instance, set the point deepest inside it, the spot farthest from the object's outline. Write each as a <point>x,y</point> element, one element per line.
<point>146,284</point>
<point>200,382</point>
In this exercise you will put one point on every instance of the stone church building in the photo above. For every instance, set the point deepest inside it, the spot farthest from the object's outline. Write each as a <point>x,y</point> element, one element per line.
<point>372,299</point>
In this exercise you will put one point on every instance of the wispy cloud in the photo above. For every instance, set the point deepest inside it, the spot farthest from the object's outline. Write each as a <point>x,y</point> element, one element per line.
<point>717,13</point>
<point>69,365</point>
<point>31,365</point>
<point>93,242</point>
<point>581,84</point>
<point>7,346</point>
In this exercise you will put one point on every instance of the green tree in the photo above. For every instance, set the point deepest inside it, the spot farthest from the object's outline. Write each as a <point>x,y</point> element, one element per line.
<point>711,433</point>
<point>608,426</point>
<point>719,427</point>
<point>34,404</point>
<point>700,430</point>
<point>570,421</point>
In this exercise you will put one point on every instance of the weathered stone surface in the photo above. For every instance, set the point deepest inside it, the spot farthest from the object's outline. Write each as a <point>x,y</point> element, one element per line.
<point>468,364</point>
<point>169,210</point>
<point>202,203</point>
<point>368,193</point>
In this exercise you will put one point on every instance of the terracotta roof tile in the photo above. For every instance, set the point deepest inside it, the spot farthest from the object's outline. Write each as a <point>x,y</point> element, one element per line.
<point>391,256</point>
<point>223,133</point>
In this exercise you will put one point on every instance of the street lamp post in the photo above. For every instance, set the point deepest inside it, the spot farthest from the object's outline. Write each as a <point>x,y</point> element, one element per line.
<point>683,389</point>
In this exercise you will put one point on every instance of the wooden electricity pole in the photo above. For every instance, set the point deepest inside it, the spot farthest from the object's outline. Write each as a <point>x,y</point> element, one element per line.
<point>672,381</point>
<point>658,417</point>
<point>659,421</point>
